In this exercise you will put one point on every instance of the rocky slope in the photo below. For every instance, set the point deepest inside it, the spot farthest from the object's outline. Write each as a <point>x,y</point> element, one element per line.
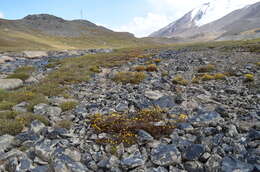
<point>202,24</point>
<point>214,122</point>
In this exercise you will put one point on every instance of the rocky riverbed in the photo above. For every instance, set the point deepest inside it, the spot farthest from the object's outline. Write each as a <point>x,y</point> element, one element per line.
<point>219,128</point>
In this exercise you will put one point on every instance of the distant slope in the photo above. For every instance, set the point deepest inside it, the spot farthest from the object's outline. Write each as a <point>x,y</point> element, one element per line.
<point>45,31</point>
<point>235,25</point>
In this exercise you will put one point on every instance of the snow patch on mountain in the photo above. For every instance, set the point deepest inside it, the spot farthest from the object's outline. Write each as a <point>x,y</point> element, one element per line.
<point>216,9</point>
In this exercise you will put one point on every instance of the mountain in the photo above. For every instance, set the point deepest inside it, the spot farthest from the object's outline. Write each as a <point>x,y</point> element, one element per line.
<point>44,31</point>
<point>205,23</point>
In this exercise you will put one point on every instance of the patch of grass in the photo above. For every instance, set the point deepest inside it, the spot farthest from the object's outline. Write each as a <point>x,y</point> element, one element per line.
<point>124,128</point>
<point>5,105</point>
<point>207,77</point>
<point>11,127</point>
<point>27,118</point>
<point>8,115</point>
<point>179,80</point>
<point>219,76</point>
<point>249,78</point>
<point>206,68</point>
<point>48,89</point>
<point>64,124</point>
<point>95,69</point>
<point>140,68</point>
<point>129,77</point>
<point>257,64</point>
<point>66,106</point>
<point>157,60</point>
<point>22,73</point>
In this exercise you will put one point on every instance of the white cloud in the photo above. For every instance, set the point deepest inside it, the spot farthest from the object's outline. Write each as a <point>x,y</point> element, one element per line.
<point>141,26</point>
<point>1,15</point>
<point>163,12</point>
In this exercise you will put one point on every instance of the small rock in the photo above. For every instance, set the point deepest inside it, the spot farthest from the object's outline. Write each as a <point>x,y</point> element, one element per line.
<point>21,107</point>
<point>144,136</point>
<point>165,155</point>
<point>132,161</point>
<point>153,95</point>
<point>36,126</point>
<point>230,164</point>
<point>193,152</point>
<point>6,142</point>
<point>10,84</point>
<point>46,110</point>
<point>165,102</point>
<point>122,107</point>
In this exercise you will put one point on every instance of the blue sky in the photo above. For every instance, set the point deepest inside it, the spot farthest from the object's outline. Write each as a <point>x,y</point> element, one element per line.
<point>140,17</point>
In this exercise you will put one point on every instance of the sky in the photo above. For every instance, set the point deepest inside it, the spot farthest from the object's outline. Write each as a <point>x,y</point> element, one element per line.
<point>140,17</point>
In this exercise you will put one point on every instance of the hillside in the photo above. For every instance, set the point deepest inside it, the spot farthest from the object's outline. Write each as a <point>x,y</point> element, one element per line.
<point>45,31</point>
<point>239,24</point>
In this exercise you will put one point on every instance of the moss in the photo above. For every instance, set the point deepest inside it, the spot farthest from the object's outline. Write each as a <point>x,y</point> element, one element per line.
<point>26,119</point>
<point>95,69</point>
<point>249,78</point>
<point>129,77</point>
<point>64,124</point>
<point>11,127</point>
<point>179,80</point>
<point>206,68</point>
<point>5,105</point>
<point>66,106</point>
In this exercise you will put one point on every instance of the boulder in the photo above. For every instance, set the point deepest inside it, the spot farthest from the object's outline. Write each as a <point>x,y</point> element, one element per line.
<point>153,95</point>
<point>6,142</point>
<point>4,59</point>
<point>35,54</point>
<point>9,84</point>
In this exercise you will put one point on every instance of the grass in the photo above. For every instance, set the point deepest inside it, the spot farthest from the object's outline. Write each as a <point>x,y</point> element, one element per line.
<point>129,77</point>
<point>148,68</point>
<point>66,106</point>
<point>179,80</point>
<point>22,73</point>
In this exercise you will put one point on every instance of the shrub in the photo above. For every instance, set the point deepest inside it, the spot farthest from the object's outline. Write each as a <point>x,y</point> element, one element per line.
<point>26,119</point>
<point>206,68</point>
<point>151,68</point>
<point>129,77</point>
<point>95,69</point>
<point>219,76</point>
<point>5,105</point>
<point>49,89</point>
<point>207,77</point>
<point>179,80</point>
<point>258,64</point>
<point>157,60</point>
<point>249,78</point>
<point>66,106</point>
<point>11,127</point>
<point>64,124</point>
<point>124,128</point>
<point>140,68</point>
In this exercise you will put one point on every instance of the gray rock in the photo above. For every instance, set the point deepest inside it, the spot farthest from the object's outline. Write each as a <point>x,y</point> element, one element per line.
<point>159,169</point>
<point>165,102</point>
<point>122,107</point>
<point>143,136</point>
<point>35,54</point>
<point>21,107</point>
<point>46,110</point>
<point>230,164</point>
<point>44,150</point>
<point>10,84</point>
<point>36,126</point>
<point>41,168</point>
<point>165,155</point>
<point>205,118</point>
<point>132,161</point>
<point>213,163</point>
<point>193,152</point>
<point>6,142</point>
<point>153,95</point>
<point>193,166</point>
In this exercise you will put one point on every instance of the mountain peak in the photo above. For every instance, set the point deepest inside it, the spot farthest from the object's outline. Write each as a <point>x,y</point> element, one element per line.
<point>42,17</point>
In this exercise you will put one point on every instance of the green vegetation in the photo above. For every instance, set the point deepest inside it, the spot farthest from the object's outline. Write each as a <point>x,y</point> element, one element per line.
<point>129,77</point>
<point>179,80</point>
<point>22,73</point>
<point>148,68</point>
<point>249,77</point>
<point>66,106</point>
<point>124,128</point>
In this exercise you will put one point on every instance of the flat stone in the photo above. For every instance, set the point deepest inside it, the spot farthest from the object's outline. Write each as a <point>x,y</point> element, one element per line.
<point>47,110</point>
<point>230,164</point>
<point>132,161</point>
<point>165,102</point>
<point>165,155</point>
<point>5,59</point>
<point>6,142</point>
<point>193,152</point>
<point>153,95</point>
<point>9,84</point>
